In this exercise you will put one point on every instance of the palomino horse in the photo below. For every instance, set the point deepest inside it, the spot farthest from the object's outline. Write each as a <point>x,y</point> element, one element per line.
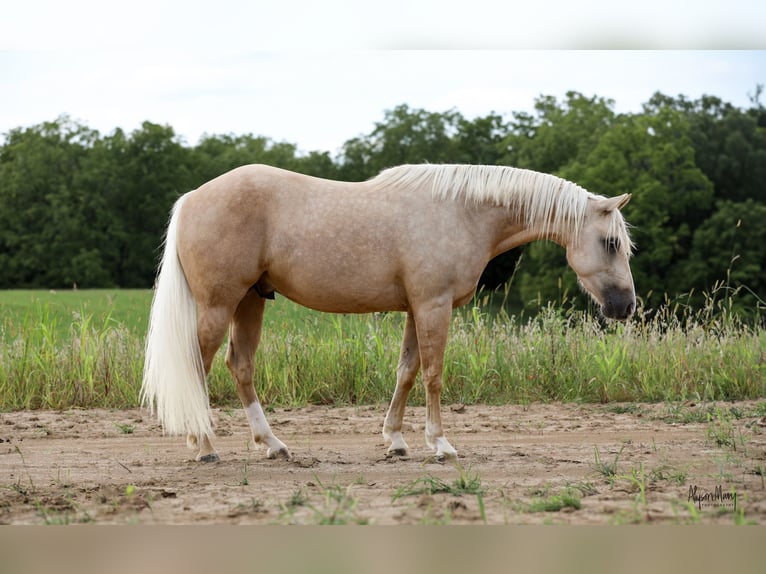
<point>414,239</point>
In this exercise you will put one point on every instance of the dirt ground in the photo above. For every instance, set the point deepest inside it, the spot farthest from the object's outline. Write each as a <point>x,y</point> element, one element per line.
<point>517,465</point>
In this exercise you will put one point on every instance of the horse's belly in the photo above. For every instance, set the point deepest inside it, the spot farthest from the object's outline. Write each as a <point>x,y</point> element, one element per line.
<point>334,293</point>
<point>345,301</point>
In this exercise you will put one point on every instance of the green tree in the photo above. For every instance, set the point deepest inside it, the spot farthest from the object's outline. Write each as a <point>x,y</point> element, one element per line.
<point>45,214</point>
<point>728,251</point>
<point>152,172</point>
<point>729,143</point>
<point>404,136</point>
<point>318,164</point>
<point>215,155</point>
<point>480,141</point>
<point>559,132</point>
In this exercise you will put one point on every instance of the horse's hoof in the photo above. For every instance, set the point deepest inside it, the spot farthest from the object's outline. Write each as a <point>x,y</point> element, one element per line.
<point>396,452</point>
<point>437,459</point>
<point>282,453</point>
<point>442,457</point>
<point>210,457</point>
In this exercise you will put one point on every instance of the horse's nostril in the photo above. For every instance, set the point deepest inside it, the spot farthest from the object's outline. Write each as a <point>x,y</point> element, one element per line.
<point>619,308</point>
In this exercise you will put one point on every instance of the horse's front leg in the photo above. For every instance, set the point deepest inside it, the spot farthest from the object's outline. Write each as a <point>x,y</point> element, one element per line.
<point>432,324</point>
<point>406,371</point>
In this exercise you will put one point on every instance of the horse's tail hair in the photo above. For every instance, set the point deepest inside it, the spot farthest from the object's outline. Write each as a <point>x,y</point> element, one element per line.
<point>174,373</point>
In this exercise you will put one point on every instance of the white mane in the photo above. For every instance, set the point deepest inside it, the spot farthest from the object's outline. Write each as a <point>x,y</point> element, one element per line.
<point>541,200</point>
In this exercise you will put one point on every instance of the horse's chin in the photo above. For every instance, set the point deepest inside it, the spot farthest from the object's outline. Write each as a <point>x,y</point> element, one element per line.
<point>621,319</point>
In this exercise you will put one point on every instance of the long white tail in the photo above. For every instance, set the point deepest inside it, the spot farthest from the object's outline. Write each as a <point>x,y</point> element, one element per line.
<point>174,374</point>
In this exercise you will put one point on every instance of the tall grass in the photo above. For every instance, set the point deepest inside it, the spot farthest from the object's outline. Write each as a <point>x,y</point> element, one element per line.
<point>49,362</point>
<point>88,352</point>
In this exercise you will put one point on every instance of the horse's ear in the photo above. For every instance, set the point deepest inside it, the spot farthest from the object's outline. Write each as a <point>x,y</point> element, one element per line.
<point>612,203</point>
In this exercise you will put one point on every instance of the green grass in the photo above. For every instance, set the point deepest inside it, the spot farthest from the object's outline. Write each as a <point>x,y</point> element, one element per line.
<point>338,506</point>
<point>126,307</point>
<point>605,468</point>
<point>554,503</point>
<point>467,482</point>
<point>85,348</point>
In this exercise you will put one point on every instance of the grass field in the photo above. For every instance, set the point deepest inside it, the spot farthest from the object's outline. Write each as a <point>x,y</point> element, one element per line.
<point>85,348</point>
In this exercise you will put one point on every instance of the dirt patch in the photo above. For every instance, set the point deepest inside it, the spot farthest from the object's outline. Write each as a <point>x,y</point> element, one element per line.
<point>542,463</point>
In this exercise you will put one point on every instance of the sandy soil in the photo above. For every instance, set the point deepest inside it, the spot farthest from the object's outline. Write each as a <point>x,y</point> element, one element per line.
<point>106,467</point>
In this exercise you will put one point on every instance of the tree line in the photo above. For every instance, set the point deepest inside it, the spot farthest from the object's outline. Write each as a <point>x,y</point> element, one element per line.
<point>81,208</point>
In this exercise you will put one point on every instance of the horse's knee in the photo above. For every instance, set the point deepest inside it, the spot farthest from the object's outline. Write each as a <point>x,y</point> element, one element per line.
<point>433,384</point>
<point>405,376</point>
<point>407,370</point>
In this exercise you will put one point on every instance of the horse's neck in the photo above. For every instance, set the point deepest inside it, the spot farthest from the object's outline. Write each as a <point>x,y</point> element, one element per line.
<point>511,229</point>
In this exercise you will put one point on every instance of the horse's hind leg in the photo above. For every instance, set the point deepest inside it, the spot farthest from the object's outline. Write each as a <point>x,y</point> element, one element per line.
<point>244,336</point>
<point>211,330</point>
<point>406,371</point>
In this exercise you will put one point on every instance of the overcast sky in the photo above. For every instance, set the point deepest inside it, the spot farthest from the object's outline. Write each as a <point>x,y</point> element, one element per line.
<point>319,73</point>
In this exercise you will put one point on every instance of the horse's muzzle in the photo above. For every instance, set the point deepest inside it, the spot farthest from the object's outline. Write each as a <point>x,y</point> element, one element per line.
<point>618,303</point>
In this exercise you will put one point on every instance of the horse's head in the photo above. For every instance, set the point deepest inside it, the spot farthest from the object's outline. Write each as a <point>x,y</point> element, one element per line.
<point>600,256</point>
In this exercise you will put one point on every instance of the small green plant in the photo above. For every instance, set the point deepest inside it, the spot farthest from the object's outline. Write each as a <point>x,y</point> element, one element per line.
<point>26,470</point>
<point>585,488</point>
<point>288,509</point>
<point>722,432</point>
<point>621,409</point>
<point>637,480</point>
<point>244,481</point>
<point>679,413</point>
<point>693,514</point>
<point>607,469</point>
<point>125,428</point>
<point>425,485</point>
<point>666,473</point>
<point>298,498</point>
<point>63,515</point>
<point>555,503</point>
<point>338,506</point>
<point>739,514</point>
<point>467,482</point>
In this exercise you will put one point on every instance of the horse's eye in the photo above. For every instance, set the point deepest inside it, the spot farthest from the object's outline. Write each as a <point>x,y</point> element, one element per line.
<point>612,245</point>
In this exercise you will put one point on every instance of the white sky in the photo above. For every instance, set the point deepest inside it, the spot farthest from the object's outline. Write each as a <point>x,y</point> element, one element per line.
<point>319,73</point>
